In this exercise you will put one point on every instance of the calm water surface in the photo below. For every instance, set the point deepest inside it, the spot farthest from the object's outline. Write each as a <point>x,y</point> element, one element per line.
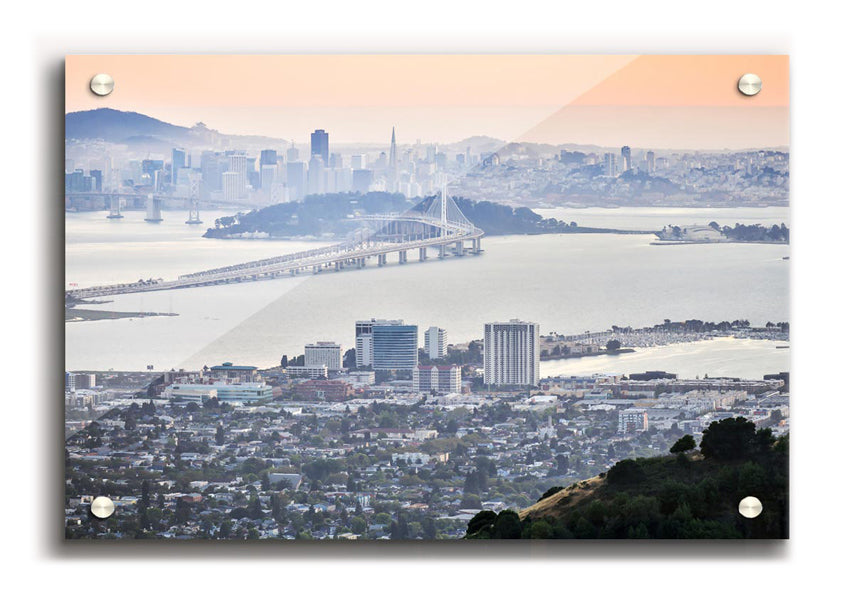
<point>568,283</point>
<point>748,359</point>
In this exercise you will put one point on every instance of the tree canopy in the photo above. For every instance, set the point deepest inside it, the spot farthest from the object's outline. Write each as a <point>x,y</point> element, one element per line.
<point>731,439</point>
<point>684,444</point>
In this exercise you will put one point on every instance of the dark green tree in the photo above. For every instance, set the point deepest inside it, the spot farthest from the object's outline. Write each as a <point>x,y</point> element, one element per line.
<point>255,509</point>
<point>145,499</point>
<point>482,521</point>
<point>429,529</point>
<point>625,472</point>
<point>358,525</point>
<point>732,439</point>
<point>550,492</point>
<point>683,444</point>
<point>540,530</point>
<point>507,526</point>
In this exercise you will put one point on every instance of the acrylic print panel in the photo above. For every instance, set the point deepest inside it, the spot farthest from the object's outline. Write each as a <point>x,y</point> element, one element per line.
<point>426,297</point>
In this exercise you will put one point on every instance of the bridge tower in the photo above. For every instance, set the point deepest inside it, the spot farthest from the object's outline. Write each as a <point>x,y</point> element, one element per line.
<point>194,211</point>
<point>444,219</point>
<point>115,207</point>
<point>444,216</point>
<point>154,209</point>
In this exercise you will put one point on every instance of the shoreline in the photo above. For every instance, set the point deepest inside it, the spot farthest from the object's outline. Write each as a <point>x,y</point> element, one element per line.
<point>692,242</point>
<point>628,352</point>
<point>79,315</point>
<point>602,353</point>
<point>263,236</point>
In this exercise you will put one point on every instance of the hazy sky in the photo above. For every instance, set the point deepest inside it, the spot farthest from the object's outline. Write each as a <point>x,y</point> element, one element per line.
<point>608,100</point>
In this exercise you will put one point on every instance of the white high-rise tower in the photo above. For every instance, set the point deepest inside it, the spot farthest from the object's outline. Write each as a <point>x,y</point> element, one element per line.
<point>435,342</point>
<point>512,353</point>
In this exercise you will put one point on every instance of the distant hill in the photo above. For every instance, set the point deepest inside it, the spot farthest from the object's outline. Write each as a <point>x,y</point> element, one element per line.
<point>147,133</point>
<point>121,127</point>
<point>477,144</point>
<point>132,128</point>
<point>694,494</point>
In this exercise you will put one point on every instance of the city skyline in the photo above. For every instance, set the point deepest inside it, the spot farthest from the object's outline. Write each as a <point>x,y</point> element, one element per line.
<point>304,140</point>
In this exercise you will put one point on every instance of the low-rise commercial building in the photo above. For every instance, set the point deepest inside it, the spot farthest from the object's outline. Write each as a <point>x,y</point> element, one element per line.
<point>224,392</point>
<point>331,390</point>
<point>308,371</point>
<point>437,378</point>
<point>235,372</point>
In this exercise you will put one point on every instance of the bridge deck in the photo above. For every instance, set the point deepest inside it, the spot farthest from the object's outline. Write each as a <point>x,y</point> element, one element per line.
<point>451,233</point>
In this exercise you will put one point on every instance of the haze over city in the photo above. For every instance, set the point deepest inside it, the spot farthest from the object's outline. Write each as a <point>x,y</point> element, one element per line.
<point>602,100</point>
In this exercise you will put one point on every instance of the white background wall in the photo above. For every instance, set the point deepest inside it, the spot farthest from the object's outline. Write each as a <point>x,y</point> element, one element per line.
<point>35,38</point>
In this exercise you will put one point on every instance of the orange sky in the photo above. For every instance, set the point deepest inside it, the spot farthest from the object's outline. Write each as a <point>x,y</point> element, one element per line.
<point>650,101</point>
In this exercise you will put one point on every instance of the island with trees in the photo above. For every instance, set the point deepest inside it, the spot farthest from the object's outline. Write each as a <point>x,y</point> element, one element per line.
<point>713,233</point>
<point>332,216</point>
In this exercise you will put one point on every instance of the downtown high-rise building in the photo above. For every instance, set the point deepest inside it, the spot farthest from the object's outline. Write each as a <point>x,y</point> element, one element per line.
<point>650,162</point>
<point>238,164</point>
<point>319,145</point>
<point>152,173</point>
<point>512,353</point>
<point>610,164</point>
<point>435,343</point>
<point>178,161</point>
<point>316,176</point>
<point>386,345</point>
<point>626,155</point>
<point>232,186</point>
<point>96,180</point>
<point>268,157</point>
<point>296,180</point>
<point>361,180</point>
<point>395,347</point>
<point>252,174</point>
<point>211,170</point>
<point>363,343</point>
<point>393,160</point>
<point>292,153</point>
<point>268,176</point>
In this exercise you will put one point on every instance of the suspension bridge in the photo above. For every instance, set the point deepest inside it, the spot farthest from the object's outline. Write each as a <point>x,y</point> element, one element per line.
<point>153,204</point>
<point>440,229</point>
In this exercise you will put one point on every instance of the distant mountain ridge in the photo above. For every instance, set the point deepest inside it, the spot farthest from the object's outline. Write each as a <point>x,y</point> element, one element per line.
<point>120,127</point>
<point>149,134</point>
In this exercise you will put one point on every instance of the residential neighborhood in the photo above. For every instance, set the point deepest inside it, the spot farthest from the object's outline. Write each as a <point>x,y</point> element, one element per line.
<point>235,452</point>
